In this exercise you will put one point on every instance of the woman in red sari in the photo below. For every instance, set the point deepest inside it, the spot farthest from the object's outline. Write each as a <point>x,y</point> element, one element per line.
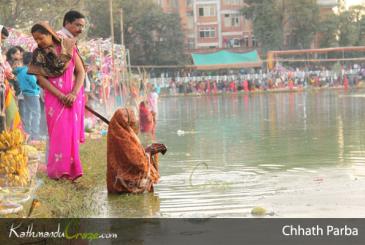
<point>146,123</point>
<point>130,168</point>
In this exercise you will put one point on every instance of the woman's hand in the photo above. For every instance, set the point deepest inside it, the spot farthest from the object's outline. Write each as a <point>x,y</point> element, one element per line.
<point>70,99</point>
<point>61,97</point>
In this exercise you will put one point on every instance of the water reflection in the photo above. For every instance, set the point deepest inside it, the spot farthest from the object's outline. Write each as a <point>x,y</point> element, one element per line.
<point>127,205</point>
<point>132,206</point>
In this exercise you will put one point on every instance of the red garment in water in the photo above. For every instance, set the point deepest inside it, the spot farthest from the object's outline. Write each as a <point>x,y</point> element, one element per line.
<point>145,118</point>
<point>345,83</point>
<point>245,86</point>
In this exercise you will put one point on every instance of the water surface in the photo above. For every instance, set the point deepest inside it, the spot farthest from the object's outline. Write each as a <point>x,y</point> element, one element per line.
<point>228,153</point>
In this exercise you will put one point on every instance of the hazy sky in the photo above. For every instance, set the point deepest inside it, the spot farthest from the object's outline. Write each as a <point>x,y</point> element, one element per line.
<point>354,2</point>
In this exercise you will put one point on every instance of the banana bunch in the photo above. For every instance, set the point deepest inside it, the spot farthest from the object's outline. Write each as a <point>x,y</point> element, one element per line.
<point>13,159</point>
<point>11,139</point>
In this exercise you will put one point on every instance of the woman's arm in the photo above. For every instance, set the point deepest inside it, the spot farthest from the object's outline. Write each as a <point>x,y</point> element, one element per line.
<point>45,84</point>
<point>80,75</point>
<point>79,80</point>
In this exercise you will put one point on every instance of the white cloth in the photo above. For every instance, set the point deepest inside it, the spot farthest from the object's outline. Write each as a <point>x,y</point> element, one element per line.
<point>65,33</point>
<point>153,101</point>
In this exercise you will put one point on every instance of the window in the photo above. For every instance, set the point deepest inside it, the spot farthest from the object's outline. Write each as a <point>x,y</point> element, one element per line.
<point>254,42</point>
<point>245,41</point>
<point>231,20</point>
<point>207,32</point>
<point>236,42</point>
<point>227,19</point>
<point>207,11</point>
<point>235,20</point>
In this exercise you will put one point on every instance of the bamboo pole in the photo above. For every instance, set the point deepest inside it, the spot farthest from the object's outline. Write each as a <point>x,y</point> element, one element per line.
<point>101,53</point>
<point>112,43</point>
<point>123,56</point>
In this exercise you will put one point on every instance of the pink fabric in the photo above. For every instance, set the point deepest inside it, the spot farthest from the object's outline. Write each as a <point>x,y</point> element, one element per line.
<point>65,127</point>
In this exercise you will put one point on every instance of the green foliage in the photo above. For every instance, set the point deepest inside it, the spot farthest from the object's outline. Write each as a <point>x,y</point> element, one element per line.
<point>329,31</point>
<point>298,21</point>
<point>153,37</point>
<point>22,14</point>
<point>345,29</point>
<point>273,19</point>
<point>303,16</point>
<point>267,23</point>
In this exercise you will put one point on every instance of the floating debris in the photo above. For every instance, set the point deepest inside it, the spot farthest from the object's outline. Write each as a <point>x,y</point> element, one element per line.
<point>258,211</point>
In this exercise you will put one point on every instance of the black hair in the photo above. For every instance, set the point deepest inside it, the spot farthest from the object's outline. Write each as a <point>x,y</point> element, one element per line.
<point>4,32</point>
<point>71,16</point>
<point>10,53</point>
<point>39,28</point>
<point>20,48</point>
<point>27,58</point>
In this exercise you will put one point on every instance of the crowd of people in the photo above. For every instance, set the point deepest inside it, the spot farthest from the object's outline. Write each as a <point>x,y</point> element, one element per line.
<point>51,79</point>
<point>280,78</point>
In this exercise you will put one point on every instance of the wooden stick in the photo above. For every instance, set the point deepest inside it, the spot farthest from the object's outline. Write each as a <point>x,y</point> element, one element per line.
<point>97,114</point>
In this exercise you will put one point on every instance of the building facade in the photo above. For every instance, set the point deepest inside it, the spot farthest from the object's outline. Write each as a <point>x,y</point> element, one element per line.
<point>212,24</point>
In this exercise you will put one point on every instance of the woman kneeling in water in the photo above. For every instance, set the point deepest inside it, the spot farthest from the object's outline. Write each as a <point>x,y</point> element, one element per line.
<point>130,168</point>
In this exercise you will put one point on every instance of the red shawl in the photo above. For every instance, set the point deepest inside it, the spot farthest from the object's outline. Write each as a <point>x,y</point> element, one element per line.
<point>129,168</point>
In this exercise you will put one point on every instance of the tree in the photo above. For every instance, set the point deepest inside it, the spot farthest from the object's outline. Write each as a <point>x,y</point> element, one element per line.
<point>344,29</point>
<point>153,37</point>
<point>362,32</point>
<point>267,23</point>
<point>328,29</point>
<point>357,14</point>
<point>22,14</point>
<point>279,22</point>
<point>302,20</point>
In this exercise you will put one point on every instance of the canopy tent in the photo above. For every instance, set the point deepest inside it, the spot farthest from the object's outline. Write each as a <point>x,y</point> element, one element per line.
<point>226,59</point>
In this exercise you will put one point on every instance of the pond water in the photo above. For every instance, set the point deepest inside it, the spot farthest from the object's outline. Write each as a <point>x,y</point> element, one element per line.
<point>230,153</point>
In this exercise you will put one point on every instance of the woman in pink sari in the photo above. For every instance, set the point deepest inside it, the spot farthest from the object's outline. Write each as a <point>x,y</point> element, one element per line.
<point>60,72</point>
